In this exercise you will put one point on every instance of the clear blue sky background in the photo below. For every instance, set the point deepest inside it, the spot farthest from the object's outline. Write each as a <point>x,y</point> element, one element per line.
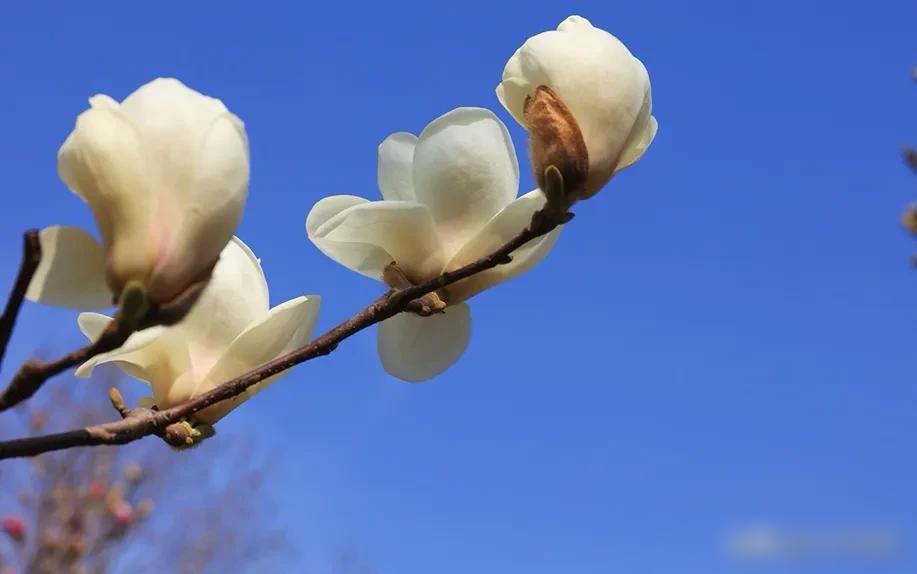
<point>726,336</point>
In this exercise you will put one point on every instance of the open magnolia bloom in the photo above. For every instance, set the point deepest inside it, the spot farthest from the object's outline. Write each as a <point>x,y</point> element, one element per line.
<point>229,331</point>
<point>579,91</point>
<point>165,173</point>
<point>449,199</point>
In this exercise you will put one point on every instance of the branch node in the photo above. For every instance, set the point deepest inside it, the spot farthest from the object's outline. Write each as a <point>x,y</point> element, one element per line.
<point>183,435</point>
<point>556,210</point>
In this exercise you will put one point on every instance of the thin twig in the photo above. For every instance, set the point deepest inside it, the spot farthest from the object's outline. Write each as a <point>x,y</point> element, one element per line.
<point>31,257</point>
<point>910,157</point>
<point>140,422</point>
<point>34,373</point>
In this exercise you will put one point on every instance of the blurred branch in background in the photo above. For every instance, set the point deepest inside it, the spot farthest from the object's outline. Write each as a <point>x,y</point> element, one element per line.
<point>99,511</point>
<point>909,217</point>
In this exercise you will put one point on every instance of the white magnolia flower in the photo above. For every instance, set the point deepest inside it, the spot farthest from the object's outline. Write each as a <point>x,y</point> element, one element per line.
<point>229,331</point>
<point>449,198</point>
<point>165,173</point>
<point>604,87</point>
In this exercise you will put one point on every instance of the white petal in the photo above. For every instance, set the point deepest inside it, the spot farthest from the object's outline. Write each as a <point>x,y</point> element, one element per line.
<point>396,160</point>
<point>168,108</point>
<point>366,236</point>
<point>72,270</point>
<point>92,324</point>
<point>640,138</point>
<point>503,227</point>
<point>235,296</point>
<point>206,211</point>
<point>287,327</point>
<point>465,171</point>
<point>103,102</point>
<point>416,349</point>
<point>141,356</point>
<point>104,162</point>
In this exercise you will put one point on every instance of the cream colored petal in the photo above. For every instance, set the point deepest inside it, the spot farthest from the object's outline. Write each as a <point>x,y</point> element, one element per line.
<point>235,297</point>
<point>72,270</point>
<point>165,107</point>
<point>366,236</point>
<point>202,210</point>
<point>287,327</point>
<point>416,349</point>
<point>103,102</point>
<point>104,161</point>
<point>147,355</point>
<point>503,227</point>
<point>92,324</point>
<point>641,137</point>
<point>396,160</point>
<point>465,171</point>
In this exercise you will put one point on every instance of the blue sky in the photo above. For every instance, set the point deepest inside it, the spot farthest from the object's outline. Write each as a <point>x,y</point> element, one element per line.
<point>724,337</point>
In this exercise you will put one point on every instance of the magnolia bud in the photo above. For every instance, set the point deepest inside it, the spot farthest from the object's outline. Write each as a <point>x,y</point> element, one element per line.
<point>14,527</point>
<point>593,84</point>
<point>96,488</point>
<point>123,513</point>
<point>166,175</point>
<point>555,140</point>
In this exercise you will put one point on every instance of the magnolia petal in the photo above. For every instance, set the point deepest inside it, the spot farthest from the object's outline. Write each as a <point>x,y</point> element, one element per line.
<point>641,137</point>
<point>104,162</point>
<point>92,324</point>
<point>102,101</point>
<point>235,296</point>
<point>71,272</point>
<point>287,327</point>
<point>396,161</point>
<point>503,227</point>
<point>206,212</point>
<point>366,236</point>
<point>415,348</point>
<point>167,109</point>
<point>465,171</point>
<point>137,356</point>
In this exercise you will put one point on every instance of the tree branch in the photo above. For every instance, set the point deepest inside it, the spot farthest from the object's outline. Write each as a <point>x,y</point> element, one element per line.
<point>31,257</point>
<point>139,422</point>
<point>134,314</point>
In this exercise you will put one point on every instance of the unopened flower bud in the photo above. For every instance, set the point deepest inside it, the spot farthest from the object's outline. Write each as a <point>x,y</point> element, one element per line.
<point>114,497</point>
<point>14,527</point>
<point>133,473</point>
<point>909,219</point>
<point>144,508</point>
<point>38,421</point>
<point>166,173</point>
<point>593,78</point>
<point>555,140</point>
<point>96,488</point>
<point>123,513</point>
